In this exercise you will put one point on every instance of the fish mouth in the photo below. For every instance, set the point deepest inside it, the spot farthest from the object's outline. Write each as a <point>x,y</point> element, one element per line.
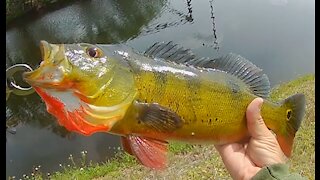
<point>38,79</point>
<point>51,71</point>
<point>45,49</point>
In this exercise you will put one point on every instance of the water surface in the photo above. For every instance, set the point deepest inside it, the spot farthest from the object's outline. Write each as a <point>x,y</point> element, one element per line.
<point>276,35</point>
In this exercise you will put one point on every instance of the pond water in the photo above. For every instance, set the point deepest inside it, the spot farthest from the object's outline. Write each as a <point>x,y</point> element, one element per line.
<point>276,35</point>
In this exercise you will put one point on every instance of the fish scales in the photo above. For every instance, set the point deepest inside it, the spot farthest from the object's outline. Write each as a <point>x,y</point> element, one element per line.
<point>203,102</point>
<point>166,93</point>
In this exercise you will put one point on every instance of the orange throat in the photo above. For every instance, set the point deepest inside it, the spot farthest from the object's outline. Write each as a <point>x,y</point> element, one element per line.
<point>75,115</point>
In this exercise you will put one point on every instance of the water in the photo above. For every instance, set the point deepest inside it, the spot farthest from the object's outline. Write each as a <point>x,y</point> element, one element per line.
<point>276,35</point>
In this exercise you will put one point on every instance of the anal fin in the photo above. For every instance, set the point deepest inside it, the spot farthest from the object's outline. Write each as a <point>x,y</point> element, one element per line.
<point>126,145</point>
<point>150,152</point>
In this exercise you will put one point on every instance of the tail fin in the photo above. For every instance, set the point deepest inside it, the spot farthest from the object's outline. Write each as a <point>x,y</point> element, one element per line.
<point>295,106</point>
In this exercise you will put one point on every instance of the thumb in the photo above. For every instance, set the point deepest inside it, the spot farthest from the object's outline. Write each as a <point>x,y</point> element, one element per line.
<point>255,123</point>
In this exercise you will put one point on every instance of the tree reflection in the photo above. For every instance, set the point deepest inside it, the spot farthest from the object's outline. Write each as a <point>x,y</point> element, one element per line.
<point>183,18</point>
<point>32,111</point>
<point>214,30</point>
<point>93,21</point>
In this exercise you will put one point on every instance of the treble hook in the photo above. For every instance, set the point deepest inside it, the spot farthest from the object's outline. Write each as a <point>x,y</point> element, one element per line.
<point>11,86</point>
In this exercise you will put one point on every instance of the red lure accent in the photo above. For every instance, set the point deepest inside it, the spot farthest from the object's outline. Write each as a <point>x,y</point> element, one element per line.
<point>73,121</point>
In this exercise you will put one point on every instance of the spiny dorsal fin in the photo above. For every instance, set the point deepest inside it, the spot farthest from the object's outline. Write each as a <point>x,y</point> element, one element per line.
<point>233,64</point>
<point>240,67</point>
<point>170,51</point>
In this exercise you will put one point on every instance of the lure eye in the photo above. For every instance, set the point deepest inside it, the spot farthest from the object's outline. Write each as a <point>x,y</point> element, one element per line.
<point>94,52</point>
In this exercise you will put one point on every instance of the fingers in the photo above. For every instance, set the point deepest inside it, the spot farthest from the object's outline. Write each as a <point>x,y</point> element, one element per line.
<point>227,149</point>
<point>219,148</point>
<point>223,149</point>
<point>255,123</point>
<point>233,157</point>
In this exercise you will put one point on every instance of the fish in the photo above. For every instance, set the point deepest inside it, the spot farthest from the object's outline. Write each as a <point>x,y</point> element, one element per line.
<point>165,94</point>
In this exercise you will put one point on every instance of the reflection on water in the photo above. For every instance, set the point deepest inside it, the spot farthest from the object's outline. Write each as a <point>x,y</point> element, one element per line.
<point>215,42</point>
<point>180,18</point>
<point>278,37</point>
<point>95,21</point>
<point>38,138</point>
<point>32,111</point>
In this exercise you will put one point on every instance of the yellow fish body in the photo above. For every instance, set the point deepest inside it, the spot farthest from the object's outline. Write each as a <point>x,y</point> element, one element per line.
<point>165,94</point>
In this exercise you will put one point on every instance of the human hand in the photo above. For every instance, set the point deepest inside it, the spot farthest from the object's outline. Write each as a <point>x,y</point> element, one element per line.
<point>244,160</point>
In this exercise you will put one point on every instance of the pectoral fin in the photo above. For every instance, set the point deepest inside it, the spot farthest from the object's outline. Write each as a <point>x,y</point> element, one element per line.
<point>158,117</point>
<point>150,152</point>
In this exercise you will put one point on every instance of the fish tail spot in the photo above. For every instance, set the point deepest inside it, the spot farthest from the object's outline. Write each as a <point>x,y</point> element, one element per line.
<point>295,105</point>
<point>289,114</point>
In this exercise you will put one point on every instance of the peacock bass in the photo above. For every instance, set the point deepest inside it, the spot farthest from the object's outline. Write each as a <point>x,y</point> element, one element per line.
<point>165,94</point>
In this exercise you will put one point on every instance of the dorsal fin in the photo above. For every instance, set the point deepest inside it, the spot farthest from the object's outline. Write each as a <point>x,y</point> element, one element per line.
<point>170,51</point>
<point>241,68</point>
<point>232,64</point>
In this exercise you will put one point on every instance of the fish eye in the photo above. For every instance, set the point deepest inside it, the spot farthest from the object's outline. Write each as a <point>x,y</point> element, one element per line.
<point>94,52</point>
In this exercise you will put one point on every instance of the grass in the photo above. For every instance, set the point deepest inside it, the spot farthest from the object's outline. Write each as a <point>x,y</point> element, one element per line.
<point>202,161</point>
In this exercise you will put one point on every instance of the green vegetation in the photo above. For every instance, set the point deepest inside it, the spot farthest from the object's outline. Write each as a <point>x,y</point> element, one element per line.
<point>202,161</point>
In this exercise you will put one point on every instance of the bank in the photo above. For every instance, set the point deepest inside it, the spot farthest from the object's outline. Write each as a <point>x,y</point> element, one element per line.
<point>202,161</point>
